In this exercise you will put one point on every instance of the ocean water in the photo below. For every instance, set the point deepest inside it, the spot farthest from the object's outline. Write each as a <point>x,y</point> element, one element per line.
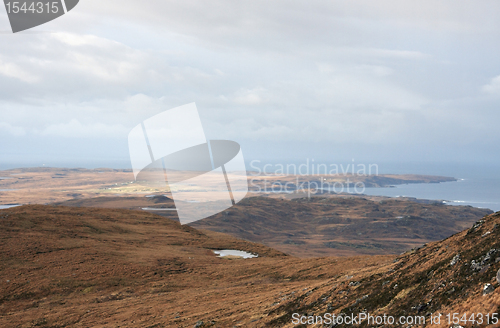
<point>478,185</point>
<point>477,192</point>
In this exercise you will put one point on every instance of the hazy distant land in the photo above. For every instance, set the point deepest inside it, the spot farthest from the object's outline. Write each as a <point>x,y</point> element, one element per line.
<point>48,185</point>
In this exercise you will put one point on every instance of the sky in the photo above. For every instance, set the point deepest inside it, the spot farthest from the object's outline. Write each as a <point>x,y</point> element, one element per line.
<point>376,81</point>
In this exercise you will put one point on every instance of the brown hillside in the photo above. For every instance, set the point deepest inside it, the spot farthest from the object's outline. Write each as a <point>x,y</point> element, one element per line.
<point>444,277</point>
<point>89,267</point>
<point>341,225</point>
<point>327,225</point>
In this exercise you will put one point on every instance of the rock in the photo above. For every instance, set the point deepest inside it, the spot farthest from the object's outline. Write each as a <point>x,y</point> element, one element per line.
<point>488,289</point>
<point>198,324</point>
<point>361,299</point>
<point>484,269</point>
<point>475,266</point>
<point>476,226</point>
<point>455,259</point>
<point>489,256</point>
<point>498,276</point>
<point>421,307</point>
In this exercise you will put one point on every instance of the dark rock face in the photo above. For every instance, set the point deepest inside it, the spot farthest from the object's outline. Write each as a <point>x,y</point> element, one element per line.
<point>498,276</point>
<point>483,264</point>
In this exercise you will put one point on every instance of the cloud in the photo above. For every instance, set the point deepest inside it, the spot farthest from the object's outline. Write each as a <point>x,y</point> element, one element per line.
<point>254,97</point>
<point>15,71</point>
<point>12,130</point>
<point>62,67</point>
<point>75,129</point>
<point>384,53</point>
<point>493,87</point>
<point>270,25</point>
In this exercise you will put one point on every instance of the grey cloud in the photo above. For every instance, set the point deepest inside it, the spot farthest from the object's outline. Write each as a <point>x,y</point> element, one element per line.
<point>493,87</point>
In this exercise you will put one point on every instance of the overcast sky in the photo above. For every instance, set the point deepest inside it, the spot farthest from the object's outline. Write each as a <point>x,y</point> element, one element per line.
<point>289,80</point>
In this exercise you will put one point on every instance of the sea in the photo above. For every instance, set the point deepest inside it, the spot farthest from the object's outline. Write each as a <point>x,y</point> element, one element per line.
<point>483,193</point>
<point>477,185</point>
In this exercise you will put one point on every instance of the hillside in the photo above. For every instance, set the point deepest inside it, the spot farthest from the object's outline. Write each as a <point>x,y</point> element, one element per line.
<point>326,225</point>
<point>335,225</point>
<point>444,277</point>
<point>90,267</point>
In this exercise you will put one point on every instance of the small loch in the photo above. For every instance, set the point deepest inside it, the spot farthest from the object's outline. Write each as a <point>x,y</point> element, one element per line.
<point>2,207</point>
<point>235,253</point>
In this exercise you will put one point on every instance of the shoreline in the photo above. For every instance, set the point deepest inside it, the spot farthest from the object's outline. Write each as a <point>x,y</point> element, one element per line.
<point>51,185</point>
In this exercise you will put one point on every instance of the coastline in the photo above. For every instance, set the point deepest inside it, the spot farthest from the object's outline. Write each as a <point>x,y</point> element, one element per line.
<point>48,185</point>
